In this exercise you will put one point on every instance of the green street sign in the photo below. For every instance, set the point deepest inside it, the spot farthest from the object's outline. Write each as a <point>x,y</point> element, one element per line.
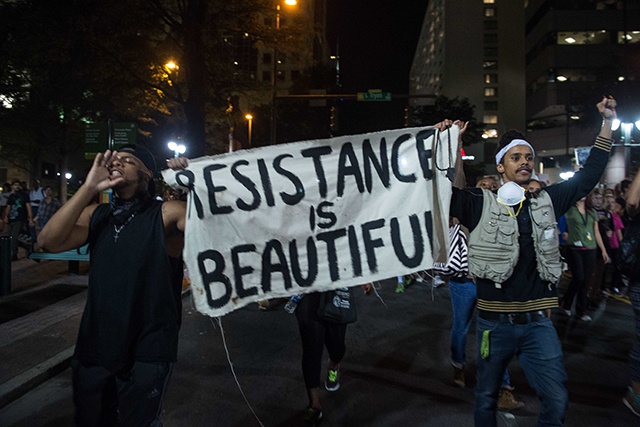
<point>97,137</point>
<point>124,133</point>
<point>374,96</point>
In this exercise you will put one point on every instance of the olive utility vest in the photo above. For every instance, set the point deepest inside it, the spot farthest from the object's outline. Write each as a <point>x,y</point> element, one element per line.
<point>493,243</point>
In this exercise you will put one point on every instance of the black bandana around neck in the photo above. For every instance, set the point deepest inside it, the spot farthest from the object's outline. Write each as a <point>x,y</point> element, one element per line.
<point>121,210</point>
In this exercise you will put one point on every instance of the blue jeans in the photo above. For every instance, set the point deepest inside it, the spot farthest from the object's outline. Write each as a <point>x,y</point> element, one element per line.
<point>538,349</point>
<point>463,301</point>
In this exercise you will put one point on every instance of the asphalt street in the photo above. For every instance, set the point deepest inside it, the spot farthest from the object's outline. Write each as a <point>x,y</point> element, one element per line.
<point>245,370</point>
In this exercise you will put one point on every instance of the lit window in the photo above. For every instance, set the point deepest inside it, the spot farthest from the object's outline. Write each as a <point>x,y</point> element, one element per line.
<point>490,91</point>
<point>490,119</point>
<point>489,133</point>
<point>490,12</point>
<point>561,78</point>
<point>582,37</point>
<point>628,37</point>
<point>490,78</point>
<point>489,1</point>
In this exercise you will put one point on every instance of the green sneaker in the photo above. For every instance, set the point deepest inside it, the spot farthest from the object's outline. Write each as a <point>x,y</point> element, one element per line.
<point>400,288</point>
<point>333,380</point>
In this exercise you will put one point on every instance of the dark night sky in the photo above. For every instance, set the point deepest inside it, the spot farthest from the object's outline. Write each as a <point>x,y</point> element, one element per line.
<point>377,42</point>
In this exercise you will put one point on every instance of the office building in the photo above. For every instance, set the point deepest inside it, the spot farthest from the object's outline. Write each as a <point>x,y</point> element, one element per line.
<point>475,49</point>
<point>577,51</point>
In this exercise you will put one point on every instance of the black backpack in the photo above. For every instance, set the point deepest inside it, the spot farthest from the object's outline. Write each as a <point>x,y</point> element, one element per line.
<point>629,250</point>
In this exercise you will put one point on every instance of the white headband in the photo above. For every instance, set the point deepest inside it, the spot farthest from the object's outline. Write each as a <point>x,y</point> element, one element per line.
<point>509,146</point>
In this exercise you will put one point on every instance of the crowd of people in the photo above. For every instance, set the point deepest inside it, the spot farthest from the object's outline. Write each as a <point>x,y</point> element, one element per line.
<point>24,212</point>
<point>508,235</point>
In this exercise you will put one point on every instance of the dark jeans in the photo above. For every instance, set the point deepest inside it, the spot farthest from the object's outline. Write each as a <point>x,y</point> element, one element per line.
<point>538,349</point>
<point>129,398</point>
<point>315,335</point>
<point>581,263</point>
<point>463,303</point>
<point>634,356</point>
<point>13,229</point>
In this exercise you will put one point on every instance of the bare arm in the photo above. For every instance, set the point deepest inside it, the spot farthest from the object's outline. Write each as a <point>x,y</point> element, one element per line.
<point>29,213</point>
<point>600,243</point>
<point>607,109</point>
<point>460,180</point>
<point>68,228</point>
<point>174,215</point>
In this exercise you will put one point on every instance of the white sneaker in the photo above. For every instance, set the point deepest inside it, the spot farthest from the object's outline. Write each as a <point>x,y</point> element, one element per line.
<point>586,318</point>
<point>567,312</point>
<point>437,281</point>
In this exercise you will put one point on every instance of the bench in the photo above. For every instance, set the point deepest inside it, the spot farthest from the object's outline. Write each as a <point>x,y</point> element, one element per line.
<point>74,256</point>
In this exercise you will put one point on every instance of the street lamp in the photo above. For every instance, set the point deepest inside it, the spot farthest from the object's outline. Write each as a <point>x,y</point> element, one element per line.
<point>249,118</point>
<point>176,148</point>
<point>626,128</point>
<point>274,78</point>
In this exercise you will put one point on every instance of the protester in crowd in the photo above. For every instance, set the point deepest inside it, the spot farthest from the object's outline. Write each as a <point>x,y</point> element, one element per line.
<point>597,286</point>
<point>4,198</point>
<point>128,337</point>
<point>535,186</point>
<point>621,199</point>
<point>317,333</point>
<point>463,301</point>
<point>488,183</point>
<point>583,237</point>
<point>515,259</point>
<point>17,215</point>
<point>632,398</point>
<point>48,206</point>
<point>36,195</point>
<point>615,236</point>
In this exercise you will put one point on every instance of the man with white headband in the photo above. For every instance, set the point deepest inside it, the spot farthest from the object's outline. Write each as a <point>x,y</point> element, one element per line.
<point>513,254</point>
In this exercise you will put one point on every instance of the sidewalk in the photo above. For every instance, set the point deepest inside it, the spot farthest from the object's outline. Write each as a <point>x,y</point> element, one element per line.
<point>45,305</point>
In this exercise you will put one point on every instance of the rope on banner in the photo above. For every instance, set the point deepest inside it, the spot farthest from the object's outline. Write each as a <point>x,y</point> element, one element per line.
<point>376,286</point>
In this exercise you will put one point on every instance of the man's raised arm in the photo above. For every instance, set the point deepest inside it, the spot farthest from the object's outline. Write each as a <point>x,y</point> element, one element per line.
<point>68,228</point>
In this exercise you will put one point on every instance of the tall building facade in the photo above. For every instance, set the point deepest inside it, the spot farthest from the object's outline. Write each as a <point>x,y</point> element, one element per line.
<point>577,51</point>
<point>256,60</point>
<point>475,49</point>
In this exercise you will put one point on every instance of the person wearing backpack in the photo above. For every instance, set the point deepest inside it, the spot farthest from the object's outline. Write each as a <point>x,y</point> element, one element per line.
<point>630,243</point>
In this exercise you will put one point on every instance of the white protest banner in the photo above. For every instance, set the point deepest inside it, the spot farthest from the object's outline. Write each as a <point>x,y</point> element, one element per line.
<point>315,215</point>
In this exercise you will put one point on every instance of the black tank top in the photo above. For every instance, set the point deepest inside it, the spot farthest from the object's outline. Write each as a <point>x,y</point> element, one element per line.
<point>133,308</point>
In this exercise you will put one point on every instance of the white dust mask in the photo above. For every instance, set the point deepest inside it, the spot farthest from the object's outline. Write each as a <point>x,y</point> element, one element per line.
<point>510,194</point>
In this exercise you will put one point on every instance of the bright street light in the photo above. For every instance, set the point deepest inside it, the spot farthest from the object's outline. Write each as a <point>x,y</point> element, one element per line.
<point>249,118</point>
<point>176,148</point>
